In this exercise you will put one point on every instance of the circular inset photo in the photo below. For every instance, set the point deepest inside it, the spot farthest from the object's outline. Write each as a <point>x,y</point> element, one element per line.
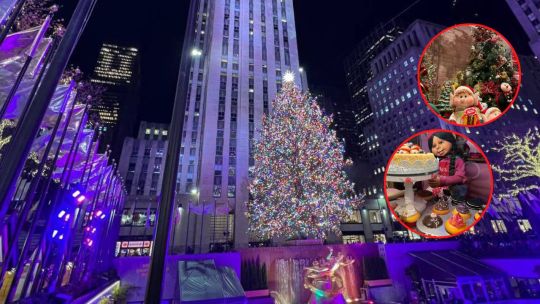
<point>438,183</point>
<point>469,75</point>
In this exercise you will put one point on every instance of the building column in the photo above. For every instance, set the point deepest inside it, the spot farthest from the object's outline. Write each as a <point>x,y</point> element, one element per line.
<point>241,224</point>
<point>368,232</point>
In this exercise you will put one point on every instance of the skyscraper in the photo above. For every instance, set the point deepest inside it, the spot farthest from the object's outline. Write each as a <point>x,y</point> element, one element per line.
<point>117,69</point>
<point>395,101</point>
<point>240,51</point>
<point>141,166</point>
<point>528,14</point>
<point>358,72</point>
<point>391,110</point>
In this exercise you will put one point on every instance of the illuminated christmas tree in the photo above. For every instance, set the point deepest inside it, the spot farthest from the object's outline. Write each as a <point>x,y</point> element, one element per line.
<point>521,162</point>
<point>299,188</point>
<point>491,64</point>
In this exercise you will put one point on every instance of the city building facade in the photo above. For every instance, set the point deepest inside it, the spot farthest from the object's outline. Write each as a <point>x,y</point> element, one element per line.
<point>527,13</point>
<point>392,112</point>
<point>241,50</point>
<point>117,69</point>
<point>396,104</point>
<point>357,72</point>
<point>141,168</point>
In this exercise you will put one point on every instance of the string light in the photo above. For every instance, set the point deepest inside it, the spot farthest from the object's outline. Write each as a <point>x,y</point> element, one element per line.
<point>298,187</point>
<point>522,158</point>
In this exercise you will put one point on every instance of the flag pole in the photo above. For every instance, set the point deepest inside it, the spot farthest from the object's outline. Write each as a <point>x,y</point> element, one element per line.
<point>29,56</point>
<point>11,20</point>
<point>202,226</point>
<point>44,193</point>
<point>167,201</point>
<point>30,196</point>
<point>227,223</point>
<point>92,206</point>
<point>82,210</point>
<point>187,225</point>
<point>13,162</point>
<point>96,136</point>
<point>214,228</point>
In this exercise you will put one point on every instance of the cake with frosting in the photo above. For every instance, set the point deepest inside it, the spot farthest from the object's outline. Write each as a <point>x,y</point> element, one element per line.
<point>462,210</point>
<point>455,224</point>
<point>442,207</point>
<point>409,214</point>
<point>432,221</point>
<point>412,160</point>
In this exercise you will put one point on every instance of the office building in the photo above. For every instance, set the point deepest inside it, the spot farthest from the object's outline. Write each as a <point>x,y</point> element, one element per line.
<point>118,70</point>
<point>141,166</point>
<point>358,71</point>
<point>241,50</point>
<point>527,13</point>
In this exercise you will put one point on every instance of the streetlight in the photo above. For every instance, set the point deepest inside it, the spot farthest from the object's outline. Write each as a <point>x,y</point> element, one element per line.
<point>195,192</point>
<point>196,52</point>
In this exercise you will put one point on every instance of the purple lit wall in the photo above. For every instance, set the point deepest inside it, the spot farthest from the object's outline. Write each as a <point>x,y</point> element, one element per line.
<point>398,259</point>
<point>133,272</point>
<point>519,267</point>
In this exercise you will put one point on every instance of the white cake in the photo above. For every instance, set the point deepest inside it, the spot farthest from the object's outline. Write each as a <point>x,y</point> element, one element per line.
<point>405,163</point>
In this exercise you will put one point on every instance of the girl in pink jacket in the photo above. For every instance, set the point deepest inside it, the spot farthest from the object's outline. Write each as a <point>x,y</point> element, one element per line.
<point>451,166</point>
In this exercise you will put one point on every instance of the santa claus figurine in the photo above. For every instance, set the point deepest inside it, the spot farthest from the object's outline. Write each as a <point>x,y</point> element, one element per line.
<point>467,107</point>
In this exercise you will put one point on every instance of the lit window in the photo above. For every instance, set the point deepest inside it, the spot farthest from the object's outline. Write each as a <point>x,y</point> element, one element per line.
<point>353,238</point>
<point>524,225</point>
<point>375,216</point>
<point>355,217</point>
<point>498,226</point>
<point>379,238</point>
<point>148,131</point>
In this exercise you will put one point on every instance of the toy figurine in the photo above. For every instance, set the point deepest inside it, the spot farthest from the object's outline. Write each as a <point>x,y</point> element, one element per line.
<point>467,107</point>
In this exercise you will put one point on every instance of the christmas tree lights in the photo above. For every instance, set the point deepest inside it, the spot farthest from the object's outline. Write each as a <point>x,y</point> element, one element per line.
<point>299,188</point>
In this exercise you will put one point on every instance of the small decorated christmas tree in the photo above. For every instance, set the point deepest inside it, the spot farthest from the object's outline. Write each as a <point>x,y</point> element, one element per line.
<point>299,188</point>
<point>492,64</point>
<point>443,104</point>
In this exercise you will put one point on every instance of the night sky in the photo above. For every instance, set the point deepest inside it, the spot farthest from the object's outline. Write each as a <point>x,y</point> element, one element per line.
<point>326,34</point>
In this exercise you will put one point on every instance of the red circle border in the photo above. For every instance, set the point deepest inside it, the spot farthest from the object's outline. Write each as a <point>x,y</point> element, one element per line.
<point>426,102</point>
<point>428,236</point>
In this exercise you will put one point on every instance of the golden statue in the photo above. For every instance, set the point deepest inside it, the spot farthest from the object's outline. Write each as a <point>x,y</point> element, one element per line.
<point>323,281</point>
